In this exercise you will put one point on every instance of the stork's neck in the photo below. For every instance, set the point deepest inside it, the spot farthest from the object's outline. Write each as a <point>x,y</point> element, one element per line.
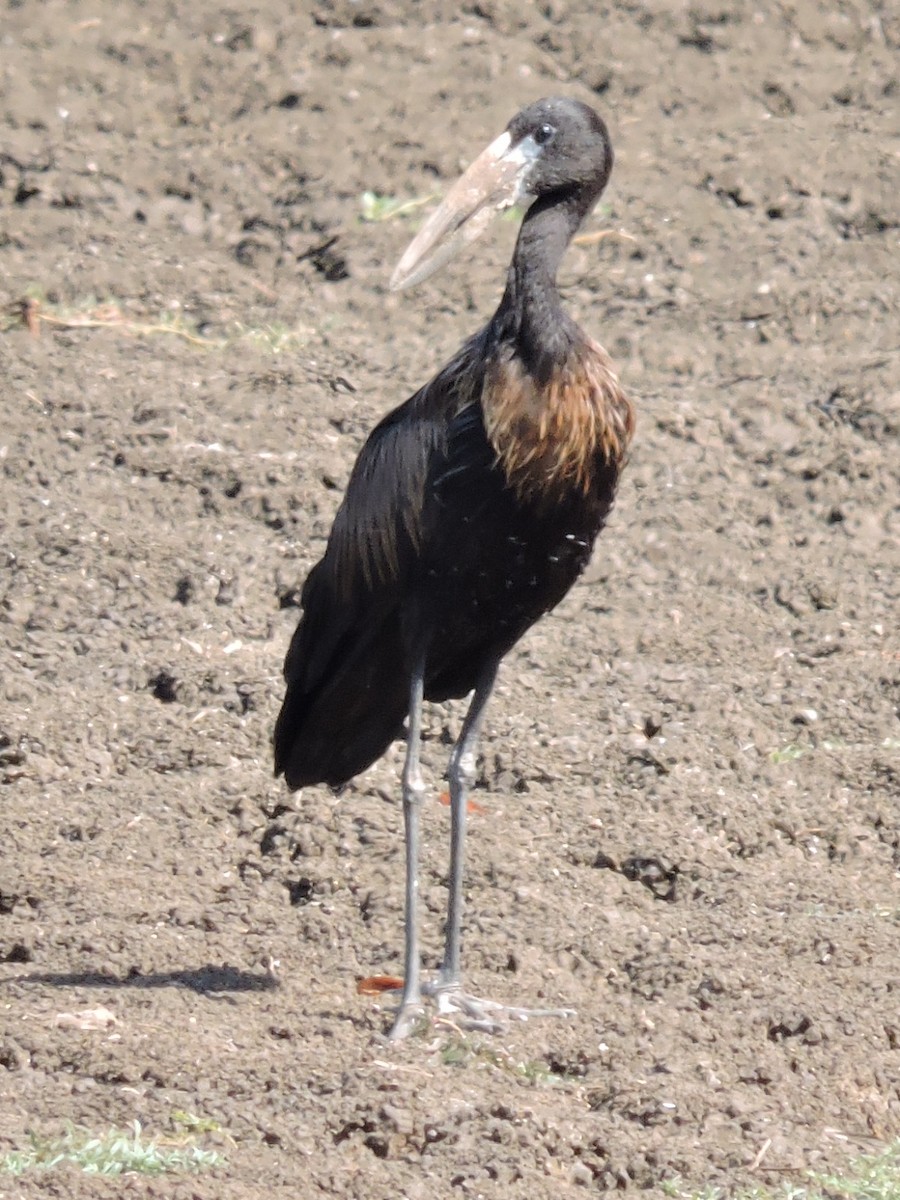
<point>531,313</point>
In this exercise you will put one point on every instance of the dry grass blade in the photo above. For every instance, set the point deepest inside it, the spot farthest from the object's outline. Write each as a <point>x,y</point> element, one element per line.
<point>113,319</point>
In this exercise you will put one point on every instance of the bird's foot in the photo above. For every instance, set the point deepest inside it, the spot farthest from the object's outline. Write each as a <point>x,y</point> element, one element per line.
<point>475,1014</point>
<point>470,1013</point>
<point>410,1014</point>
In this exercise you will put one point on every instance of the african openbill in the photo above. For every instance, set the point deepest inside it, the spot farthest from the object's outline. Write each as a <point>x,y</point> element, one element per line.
<point>470,512</point>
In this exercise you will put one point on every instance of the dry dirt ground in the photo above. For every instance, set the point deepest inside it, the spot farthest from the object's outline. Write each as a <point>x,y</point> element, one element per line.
<point>691,826</point>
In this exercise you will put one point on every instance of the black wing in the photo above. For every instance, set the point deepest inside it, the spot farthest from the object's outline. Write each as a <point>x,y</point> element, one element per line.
<point>347,668</point>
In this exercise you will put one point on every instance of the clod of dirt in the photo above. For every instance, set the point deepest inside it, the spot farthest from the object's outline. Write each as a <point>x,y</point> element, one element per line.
<point>164,687</point>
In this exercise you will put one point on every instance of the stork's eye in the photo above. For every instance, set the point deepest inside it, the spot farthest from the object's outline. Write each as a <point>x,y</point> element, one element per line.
<point>544,134</point>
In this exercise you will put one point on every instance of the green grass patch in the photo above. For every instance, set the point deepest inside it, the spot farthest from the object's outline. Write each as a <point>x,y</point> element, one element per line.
<point>375,207</point>
<point>469,1052</point>
<point>789,753</point>
<point>793,750</point>
<point>193,1124</point>
<point>873,1177</point>
<point>117,1152</point>
<point>274,337</point>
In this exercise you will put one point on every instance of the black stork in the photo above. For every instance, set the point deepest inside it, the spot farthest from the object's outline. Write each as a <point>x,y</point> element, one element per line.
<point>470,512</point>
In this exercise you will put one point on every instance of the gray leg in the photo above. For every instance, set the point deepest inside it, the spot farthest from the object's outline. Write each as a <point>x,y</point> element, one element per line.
<point>453,1003</point>
<point>461,777</point>
<point>413,790</point>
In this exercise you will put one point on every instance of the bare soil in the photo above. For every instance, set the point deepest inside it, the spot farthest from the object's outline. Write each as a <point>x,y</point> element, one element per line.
<point>691,825</point>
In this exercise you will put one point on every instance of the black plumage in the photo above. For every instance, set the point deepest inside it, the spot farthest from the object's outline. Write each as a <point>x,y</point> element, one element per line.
<point>471,509</point>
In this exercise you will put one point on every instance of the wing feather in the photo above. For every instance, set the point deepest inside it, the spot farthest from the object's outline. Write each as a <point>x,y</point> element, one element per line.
<point>347,668</point>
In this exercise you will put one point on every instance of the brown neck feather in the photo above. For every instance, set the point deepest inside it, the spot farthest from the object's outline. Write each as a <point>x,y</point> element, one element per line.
<point>551,439</point>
